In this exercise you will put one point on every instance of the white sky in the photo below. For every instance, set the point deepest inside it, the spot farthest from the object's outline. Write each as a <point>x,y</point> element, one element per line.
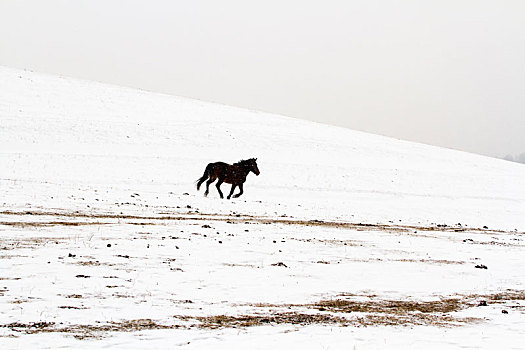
<point>448,73</point>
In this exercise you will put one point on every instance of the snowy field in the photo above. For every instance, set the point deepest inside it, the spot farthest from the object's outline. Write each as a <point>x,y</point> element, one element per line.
<point>346,240</point>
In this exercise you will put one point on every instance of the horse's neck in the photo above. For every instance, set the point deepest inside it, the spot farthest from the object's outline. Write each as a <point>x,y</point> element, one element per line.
<point>243,169</point>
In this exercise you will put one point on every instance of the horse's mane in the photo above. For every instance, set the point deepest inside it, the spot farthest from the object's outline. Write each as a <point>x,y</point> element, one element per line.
<point>243,161</point>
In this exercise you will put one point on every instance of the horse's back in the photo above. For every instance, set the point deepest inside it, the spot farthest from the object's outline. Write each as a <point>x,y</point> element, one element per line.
<point>218,165</point>
<point>218,168</point>
<point>221,164</point>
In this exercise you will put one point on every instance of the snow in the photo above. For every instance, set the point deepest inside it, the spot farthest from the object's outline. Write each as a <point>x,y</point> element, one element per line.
<point>99,181</point>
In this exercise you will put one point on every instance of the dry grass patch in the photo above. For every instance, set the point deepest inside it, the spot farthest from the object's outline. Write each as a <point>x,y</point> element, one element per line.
<point>87,331</point>
<point>93,263</point>
<point>369,310</point>
<point>30,242</point>
<point>346,303</point>
<point>389,306</point>
<point>431,261</point>
<point>25,224</point>
<point>342,312</point>
<point>231,218</point>
<point>74,296</point>
<point>292,318</point>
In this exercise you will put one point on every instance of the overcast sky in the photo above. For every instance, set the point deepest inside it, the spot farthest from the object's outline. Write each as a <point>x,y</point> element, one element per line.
<point>448,73</point>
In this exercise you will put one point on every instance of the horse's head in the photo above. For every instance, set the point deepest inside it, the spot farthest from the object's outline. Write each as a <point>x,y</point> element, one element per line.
<point>253,166</point>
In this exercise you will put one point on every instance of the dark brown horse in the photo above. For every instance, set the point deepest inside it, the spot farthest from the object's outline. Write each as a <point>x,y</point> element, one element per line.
<point>232,174</point>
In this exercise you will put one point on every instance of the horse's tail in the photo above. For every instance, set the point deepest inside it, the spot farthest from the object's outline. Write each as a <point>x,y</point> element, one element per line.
<point>206,175</point>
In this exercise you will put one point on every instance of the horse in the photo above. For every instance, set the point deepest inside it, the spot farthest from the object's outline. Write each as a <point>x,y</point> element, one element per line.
<point>232,174</point>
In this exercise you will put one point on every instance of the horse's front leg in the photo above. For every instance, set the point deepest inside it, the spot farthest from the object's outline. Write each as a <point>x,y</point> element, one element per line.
<point>219,183</point>
<point>231,191</point>
<point>240,193</point>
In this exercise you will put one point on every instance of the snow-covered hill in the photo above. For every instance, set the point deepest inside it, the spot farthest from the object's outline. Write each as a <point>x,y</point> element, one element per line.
<point>67,131</point>
<point>103,231</point>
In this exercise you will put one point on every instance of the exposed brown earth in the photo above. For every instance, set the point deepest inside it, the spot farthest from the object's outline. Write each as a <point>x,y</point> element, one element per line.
<point>231,218</point>
<point>341,311</point>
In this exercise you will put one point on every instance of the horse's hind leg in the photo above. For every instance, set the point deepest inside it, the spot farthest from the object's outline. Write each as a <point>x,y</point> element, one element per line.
<point>208,183</point>
<point>218,185</point>
<point>231,191</point>
<point>240,193</point>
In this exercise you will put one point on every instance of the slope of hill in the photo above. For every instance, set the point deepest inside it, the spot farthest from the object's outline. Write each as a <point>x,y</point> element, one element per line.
<point>103,231</point>
<point>84,132</point>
